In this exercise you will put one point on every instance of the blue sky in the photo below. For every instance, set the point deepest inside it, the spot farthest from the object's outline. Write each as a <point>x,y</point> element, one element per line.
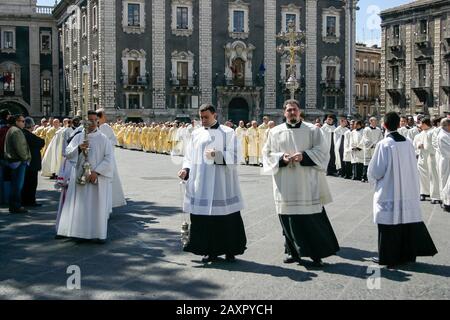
<point>368,21</point>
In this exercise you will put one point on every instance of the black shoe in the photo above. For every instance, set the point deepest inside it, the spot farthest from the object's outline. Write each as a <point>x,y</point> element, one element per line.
<point>291,259</point>
<point>58,237</point>
<point>364,180</point>
<point>375,260</point>
<point>391,267</point>
<point>18,210</point>
<point>423,197</point>
<point>317,262</point>
<point>434,201</point>
<point>207,259</point>
<point>230,258</point>
<point>33,205</point>
<point>446,208</point>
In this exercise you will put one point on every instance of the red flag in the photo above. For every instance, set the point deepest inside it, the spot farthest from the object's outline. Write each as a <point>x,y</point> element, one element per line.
<point>8,78</point>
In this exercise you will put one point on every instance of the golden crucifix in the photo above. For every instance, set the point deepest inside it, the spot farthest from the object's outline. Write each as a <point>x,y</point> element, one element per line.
<point>295,46</point>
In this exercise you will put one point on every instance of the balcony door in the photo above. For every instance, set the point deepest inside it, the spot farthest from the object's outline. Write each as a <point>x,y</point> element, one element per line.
<point>182,73</point>
<point>134,70</point>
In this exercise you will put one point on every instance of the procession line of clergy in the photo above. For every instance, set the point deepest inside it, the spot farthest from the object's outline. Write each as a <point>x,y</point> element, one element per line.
<point>167,138</point>
<point>170,138</point>
<point>351,150</point>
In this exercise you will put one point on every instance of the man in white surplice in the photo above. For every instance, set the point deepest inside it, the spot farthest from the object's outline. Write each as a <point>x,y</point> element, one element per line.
<point>328,129</point>
<point>443,142</point>
<point>402,235</point>
<point>118,198</point>
<point>297,156</point>
<point>213,195</point>
<point>85,211</point>
<point>426,163</point>
<point>371,136</point>
<point>342,165</point>
<point>403,130</point>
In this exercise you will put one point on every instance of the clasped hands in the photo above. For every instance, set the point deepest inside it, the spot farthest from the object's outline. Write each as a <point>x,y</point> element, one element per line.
<point>210,154</point>
<point>93,177</point>
<point>84,146</point>
<point>296,157</point>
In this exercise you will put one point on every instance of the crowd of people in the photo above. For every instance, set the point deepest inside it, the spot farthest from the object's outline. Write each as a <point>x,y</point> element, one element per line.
<point>352,144</point>
<point>407,159</point>
<point>27,149</point>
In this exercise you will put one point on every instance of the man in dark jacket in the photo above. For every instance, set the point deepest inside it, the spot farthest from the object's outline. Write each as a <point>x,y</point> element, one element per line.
<point>31,175</point>
<point>18,155</point>
<point>4,127</point>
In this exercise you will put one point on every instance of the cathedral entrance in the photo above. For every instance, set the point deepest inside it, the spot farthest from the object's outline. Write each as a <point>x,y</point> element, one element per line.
<point>238,110</point>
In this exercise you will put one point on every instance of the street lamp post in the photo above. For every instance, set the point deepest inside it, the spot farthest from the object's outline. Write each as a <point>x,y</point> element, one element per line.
<point>295,46</point>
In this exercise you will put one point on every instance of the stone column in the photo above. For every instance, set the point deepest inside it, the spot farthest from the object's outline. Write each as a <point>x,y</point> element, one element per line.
<point>311,54</point>
<point>437,63</point>
<point>383,73</point>
<point>159,53</point>
<point>107,54</point>
<point>55,71</point>
<point>409,65</point>
<point>35,69</point>
<point>205,57</point>
<point>270,54</point>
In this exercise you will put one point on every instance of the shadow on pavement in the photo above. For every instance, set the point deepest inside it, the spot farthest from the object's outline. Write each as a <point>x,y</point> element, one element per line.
<point>131,265</point>
<point>355,254</point>
<point>259,268</point>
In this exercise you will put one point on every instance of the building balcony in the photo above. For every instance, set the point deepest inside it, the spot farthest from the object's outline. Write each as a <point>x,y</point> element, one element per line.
<point>44,10</point>
<point>421,85</point>
<point>395,88</point>
<point>239,83</point>
<point>183,82</point>
<point>422,40</point>
<point>368,74</point>
<point>395,44</point>
<point>333,86</point>
<point>365,98</point>
<point>445,85</point>
<point>446,34</point>
<point>133,82</point>
<point>7,93</point>
<point>375,74</point>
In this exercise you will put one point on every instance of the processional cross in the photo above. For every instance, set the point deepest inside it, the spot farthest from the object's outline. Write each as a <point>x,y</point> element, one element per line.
<point>296,46</point>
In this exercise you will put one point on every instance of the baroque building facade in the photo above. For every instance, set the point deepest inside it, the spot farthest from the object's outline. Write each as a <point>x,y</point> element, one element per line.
<point>416,58</point>
<point>29,60</point>
<point>161,59</point>
<point>368,80</point>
